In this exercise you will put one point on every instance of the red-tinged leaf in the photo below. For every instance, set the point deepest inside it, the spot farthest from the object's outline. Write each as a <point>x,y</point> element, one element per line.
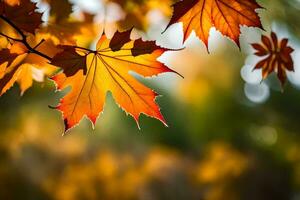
<point>70,61</point>
<point>119,39</point>
<point>260,50</point>
<point>7,56</point>
<point>261,64</point>
<point>267,42</point>
<point>141,47</point>
<point>274,40</point>
<point>278,58</point>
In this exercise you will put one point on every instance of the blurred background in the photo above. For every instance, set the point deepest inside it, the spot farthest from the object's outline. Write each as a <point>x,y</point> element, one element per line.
<point>230,136</point>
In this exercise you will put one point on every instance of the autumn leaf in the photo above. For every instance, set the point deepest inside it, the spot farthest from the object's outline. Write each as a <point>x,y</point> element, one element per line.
<point>9,72</point>
<point>70,31</point>
<point>22,14</point>
<point>277,57</point>
<point>136,12</point>
<point>225,15</point>
<point>70,61</point>
<point>107,69</point>
<point>66,29</point>
<point>17,64</point>
<point>7,56</point>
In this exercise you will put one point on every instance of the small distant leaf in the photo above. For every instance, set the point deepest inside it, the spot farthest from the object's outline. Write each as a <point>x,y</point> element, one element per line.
<point>277,57</point>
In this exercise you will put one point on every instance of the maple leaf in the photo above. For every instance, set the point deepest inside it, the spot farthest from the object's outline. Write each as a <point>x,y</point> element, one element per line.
<point>277,57</point>
<point>22,14</point>
<point>107,69</point>
<point>17,64</point>
<point>225,15</point>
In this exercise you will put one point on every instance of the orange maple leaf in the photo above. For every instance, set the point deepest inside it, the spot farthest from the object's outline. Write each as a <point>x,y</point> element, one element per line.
<point>225,15</point>
<point>277,57</point>
<point>91,74</point>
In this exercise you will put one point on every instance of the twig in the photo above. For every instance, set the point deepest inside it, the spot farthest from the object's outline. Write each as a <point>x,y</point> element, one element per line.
<point>41,42</point>
<point>8,37</point>
<point>24,39</point>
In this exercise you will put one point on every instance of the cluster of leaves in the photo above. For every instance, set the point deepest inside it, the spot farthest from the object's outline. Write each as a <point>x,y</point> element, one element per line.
<point>31,49</point>
<point>137,10</point>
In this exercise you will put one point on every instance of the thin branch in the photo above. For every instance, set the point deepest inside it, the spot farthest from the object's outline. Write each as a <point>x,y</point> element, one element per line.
<point>13,25</point>
<point>41,42</point>
<point>8,37</point>
<point>24,39</point>
<point>85,49</point>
